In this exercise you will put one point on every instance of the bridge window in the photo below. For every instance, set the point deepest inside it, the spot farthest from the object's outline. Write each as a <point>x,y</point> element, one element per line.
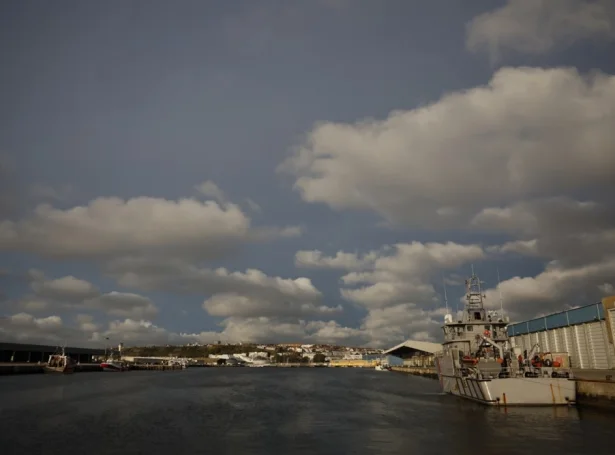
<point>470,328</point>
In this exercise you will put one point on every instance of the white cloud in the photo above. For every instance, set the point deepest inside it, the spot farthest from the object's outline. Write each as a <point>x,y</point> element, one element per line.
<point>182,277</point>
<point>70,293</point>
<point>264,329</point>
<point>211,190</point>
<point>68,288</point>
<point>232,304</point>
<point>109,227</point>
<point>236,296</point>
<point>555,289</point>
<point>341,260</point>
<point>123,304</point>
<point>253,206</point>
<point>396,287</point>
<point>140,332</point>
<point>555,215</point>
<point>86,323</point>
<point>529,133</point>
<point>23,327</point>
<point>539,26</point>
<point>523,247</point>
<point>394,324</point>
<point>405,275</point>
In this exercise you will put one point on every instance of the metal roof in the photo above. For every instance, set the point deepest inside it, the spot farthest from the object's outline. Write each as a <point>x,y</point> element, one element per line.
<point>423,346</point>
<point>48,348</point>
<point>581,315</point>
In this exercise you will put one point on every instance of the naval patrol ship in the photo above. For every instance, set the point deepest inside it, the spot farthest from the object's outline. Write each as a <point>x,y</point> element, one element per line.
<point>478,363</point>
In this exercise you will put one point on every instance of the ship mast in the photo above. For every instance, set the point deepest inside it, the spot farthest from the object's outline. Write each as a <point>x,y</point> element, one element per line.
<point>474,294</point>
<point>445,297</point>
<point>500,289</point>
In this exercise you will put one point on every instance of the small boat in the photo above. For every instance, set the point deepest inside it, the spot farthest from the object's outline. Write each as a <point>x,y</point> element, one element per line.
<point>60,363</point>
<point>115,366</point>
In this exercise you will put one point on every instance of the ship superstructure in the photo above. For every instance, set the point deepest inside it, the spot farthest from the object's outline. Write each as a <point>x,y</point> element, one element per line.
<point>478,363</point>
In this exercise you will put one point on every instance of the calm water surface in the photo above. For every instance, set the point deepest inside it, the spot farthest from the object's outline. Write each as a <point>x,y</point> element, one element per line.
<point>276,411</point>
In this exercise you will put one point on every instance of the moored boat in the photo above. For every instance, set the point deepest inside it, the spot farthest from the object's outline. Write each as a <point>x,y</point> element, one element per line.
<point>60,363</point>
<point>113,366</point>
<point>478,363</point>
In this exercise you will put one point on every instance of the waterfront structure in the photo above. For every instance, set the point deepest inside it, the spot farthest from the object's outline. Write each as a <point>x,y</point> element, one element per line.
<point>33,353</point>
<point>415,353</point>
<point>586,333</point>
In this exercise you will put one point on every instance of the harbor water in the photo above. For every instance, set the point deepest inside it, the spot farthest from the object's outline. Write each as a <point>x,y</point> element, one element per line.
<point>277,410</point>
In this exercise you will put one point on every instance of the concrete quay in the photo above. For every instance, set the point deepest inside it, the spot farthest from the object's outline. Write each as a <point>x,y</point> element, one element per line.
<point>38,368</point>
<point>427,372</point>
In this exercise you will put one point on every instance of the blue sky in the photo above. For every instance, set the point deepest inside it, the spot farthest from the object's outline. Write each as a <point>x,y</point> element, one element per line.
<point>145,145</point>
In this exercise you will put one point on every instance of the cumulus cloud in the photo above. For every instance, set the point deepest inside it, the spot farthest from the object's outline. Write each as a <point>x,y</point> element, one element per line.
<point>537,27</point>
<point>212,191</point>
<point>393,324</point>
<point>405,275</point>
<point>185,278</point>
<point>123,304</point>
<point>68,288</point>
<point>239,297</point>
<point>70,293</point>
<point>529,133</point>
<point>232,304</point>
<point>264,329</point>
<point>253,206</point>
<point>341,260</point>
<point>576,238</point>
<point>112,227</point>
<point>555,289</point>
<point>396,286</point>
<point>141,332</point>
<point>555,215</point>
<point>109,227</point>
<point>528,156</point>
<point>23,327</point>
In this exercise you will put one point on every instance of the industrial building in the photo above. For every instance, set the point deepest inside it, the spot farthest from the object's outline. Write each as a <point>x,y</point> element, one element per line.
<point>415,353</point>
<point>32,353</point>
<point>586,333</point>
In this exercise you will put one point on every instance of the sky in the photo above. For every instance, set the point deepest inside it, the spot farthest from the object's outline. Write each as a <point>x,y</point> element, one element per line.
<point>294,171</point>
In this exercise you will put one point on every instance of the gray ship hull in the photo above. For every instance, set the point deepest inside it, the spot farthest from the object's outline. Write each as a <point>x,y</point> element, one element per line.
<point>513,391</point>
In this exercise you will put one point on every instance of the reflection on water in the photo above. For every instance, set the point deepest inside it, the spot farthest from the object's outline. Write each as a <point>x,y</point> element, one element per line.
<point>270,411</point>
